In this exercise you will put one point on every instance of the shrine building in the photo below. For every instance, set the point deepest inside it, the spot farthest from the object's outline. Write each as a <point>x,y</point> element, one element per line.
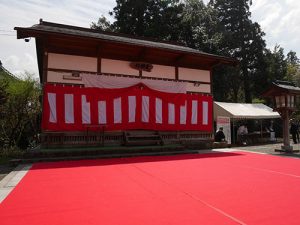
<point>102,88</point>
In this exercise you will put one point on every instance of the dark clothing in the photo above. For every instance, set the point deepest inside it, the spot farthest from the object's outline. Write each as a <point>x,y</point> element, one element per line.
<point>294,132</point>
<point>219,136</point>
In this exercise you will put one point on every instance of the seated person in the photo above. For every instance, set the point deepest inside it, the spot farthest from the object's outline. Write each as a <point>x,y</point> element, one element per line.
<point>219,137</point>
<point>241,133</point>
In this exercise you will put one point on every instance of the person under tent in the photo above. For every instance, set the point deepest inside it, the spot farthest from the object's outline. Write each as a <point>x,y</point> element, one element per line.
<point>241,133</point>
<point>220,136</point>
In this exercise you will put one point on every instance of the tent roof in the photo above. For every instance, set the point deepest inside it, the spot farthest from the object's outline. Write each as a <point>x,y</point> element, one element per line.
<point>244,111</point>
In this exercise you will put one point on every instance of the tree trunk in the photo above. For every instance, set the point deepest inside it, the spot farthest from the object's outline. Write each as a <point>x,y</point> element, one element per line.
<point>247,91</point>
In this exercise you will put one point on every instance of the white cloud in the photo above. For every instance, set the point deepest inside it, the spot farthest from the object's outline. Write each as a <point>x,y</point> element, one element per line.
<point>258,4</point>
<point>268,22</point>
<point>18,56</point>
<point>279,20</point>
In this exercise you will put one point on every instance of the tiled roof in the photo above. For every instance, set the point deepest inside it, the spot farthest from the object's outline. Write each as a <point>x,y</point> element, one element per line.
<point>286,85</point>
<point>48,27</point>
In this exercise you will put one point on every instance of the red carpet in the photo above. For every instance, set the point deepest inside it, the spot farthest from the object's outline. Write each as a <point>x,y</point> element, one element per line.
<point>217,188</point>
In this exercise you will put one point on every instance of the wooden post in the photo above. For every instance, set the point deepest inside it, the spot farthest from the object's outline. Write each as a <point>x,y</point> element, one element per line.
<point>286,134</point>
<point>233,133</point>
<point>286,147</point>
<point>261,129</point>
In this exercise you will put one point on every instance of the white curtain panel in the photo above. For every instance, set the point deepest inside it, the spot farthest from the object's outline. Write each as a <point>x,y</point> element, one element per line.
<point>145,109</point>
<point>69,108</point>
<point>171,112</point>
<point>102,112</point>
<point>110,82</point>
<point>131,108</point>
<point>158,107</point>
<point>117,110</point>
<point>205,113</point>
<point>52,105</point>
<point>194,119</point>
<point>183,114</point>
<point>86,110</point>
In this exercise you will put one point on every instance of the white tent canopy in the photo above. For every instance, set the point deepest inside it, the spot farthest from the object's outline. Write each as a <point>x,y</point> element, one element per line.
<point>244,111</point>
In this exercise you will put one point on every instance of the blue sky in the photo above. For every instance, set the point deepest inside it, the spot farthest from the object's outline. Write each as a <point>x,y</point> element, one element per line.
<point>278,18</point>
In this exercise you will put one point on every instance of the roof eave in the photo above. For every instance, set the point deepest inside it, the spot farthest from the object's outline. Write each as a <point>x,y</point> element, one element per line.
<point>31,32</point>
<point>275,90</point>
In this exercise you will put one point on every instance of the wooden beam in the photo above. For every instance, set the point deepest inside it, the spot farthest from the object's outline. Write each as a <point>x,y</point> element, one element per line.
<point>45,60</point>
<point>142,54</point>
<point>178,58</point>
<point>211,81</point>
<point>99,59</point>
<point>70,71</point>
<point>125,75</point>
<point>215,63</point>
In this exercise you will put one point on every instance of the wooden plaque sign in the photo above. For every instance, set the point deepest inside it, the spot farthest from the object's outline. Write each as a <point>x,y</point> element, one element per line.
<point>141,66</point>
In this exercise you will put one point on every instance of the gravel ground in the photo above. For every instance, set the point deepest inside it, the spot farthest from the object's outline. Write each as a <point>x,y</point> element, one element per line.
<point>270,149</point>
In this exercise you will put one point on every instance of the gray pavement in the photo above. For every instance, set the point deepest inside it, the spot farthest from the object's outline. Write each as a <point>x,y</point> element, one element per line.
<point>9,182</point>
<point>270,149</point>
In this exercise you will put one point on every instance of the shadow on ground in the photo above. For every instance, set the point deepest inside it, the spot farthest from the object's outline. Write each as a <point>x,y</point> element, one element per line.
<point>130,160</point>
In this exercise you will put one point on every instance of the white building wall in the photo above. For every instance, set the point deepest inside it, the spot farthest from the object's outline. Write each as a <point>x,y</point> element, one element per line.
<point>58,77</point>
<point>203,88</point>
<point>72,62</point>
<point>160,71</point>
<point>81,63</point>
<point>193,74</point>
<point>117,67</point>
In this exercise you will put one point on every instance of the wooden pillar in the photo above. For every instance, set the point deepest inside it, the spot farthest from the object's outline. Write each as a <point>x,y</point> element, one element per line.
<point>286,131</point>
<point>176,73</point>
<point>233,133</point>
<point>99,60</point>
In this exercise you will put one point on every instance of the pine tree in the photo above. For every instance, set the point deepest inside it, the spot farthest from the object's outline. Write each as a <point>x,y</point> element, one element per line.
<point>242,39</point>
<point>148,18</point>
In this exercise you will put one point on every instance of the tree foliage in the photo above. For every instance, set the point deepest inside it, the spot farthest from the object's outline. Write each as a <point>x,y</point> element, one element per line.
<point>148,18</point>
<point>293,68</point>
<point>242,39</point>
<point>102,24</point>
<point>221,27</point>
<point>199,27</point>
<point>20,112</point>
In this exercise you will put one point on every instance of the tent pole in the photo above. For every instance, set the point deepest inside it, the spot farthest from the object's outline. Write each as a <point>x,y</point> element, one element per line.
<point>261,129</point>
<point>233,133</point>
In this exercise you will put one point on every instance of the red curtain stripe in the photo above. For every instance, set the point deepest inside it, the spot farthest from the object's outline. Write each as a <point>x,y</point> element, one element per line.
<point>94,95</point>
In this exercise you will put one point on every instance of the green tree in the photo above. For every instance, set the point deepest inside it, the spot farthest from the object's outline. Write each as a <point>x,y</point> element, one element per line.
<point>293,68</point>
<point>272,67</point>
<point>3,94</point>
<point>227,84</point>
<point>242,39</point>
<point>199,26</point>
<point>20,112</point>
<point>221,27</point>
<point>276,64</point>
<point>102,24</point>
<point>145,18</point>
<point>190,22</point>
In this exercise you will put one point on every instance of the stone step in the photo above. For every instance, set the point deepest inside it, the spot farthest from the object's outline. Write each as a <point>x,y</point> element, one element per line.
<point>142,142</point>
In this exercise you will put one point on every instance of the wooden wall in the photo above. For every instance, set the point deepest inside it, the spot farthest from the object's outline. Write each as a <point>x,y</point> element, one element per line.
<point>61,66</point>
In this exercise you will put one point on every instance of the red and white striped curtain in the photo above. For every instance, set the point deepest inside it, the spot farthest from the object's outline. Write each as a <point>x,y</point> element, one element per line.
<point>137,107</point>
